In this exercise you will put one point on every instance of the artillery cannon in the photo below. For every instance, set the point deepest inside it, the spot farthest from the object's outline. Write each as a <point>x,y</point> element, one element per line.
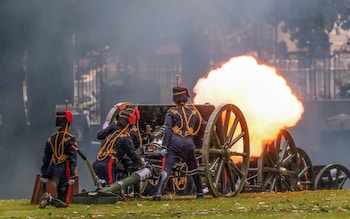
<point>285,167</point>
<point>223,154</point>
<point>318,177</point>
<point>222,147</point>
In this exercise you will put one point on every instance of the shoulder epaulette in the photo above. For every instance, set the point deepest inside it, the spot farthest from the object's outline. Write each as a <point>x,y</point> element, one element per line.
<point>70,134</point>
<point>124,135</point>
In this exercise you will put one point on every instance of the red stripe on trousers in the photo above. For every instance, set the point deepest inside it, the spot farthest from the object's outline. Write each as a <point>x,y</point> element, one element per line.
<point>163,163</point>
<point>68,170</point>
<point>110,170</point>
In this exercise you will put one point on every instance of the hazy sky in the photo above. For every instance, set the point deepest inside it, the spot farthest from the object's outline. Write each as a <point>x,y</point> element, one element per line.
<point>130,26</point>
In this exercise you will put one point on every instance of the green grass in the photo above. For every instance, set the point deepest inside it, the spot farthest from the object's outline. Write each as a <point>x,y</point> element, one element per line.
<point>306,204</point>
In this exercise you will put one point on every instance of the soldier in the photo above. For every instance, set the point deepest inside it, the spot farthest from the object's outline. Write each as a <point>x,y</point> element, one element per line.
<point>129,166</point>
<point>118,143</point>
<point>181,124</point>
<point>134,130</point>
<point>59,161</point>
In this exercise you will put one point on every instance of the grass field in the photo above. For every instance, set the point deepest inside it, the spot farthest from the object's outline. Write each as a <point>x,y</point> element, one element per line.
<point>306,204</point>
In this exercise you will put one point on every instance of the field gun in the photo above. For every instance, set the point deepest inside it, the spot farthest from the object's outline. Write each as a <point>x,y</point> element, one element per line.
<point>223,154</point>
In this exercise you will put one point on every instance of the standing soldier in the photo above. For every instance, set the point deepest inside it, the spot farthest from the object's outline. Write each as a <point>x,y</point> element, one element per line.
<point>118,143</point>
<point>181,124</point>
<point>60,161</point>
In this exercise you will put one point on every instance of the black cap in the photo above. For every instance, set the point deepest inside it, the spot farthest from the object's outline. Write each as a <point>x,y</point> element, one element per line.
<point>63,118</point>
<point>180,94</point>
<point>133,109</point>
<point>123,119</point>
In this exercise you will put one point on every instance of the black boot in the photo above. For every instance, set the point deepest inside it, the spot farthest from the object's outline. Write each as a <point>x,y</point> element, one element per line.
<point>198,183</point>
<point>58,203</point>
<point>163,178</point>
<point>45,200</point>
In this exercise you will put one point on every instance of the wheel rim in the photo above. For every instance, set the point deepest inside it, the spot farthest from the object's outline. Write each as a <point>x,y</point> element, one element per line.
<point>332,176</point>
<point>226,151</point>
<point>278,165</point>
<point>306,171</point>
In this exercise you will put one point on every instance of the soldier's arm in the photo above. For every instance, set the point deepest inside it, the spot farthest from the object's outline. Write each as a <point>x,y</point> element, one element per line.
<point>130,151</point>
<point>168,123</point>
<point>72,155</point>
<point>102,134</point>
<point>46,159</point>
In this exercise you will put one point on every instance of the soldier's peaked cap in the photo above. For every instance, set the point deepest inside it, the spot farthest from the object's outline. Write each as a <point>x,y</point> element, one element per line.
<point>180,94</point>
<point>62,118</point>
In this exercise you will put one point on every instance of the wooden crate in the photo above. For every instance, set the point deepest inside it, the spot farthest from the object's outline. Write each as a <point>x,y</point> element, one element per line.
<point>50,187</point>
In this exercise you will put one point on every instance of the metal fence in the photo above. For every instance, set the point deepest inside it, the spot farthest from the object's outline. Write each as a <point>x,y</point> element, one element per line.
<point>324,78</point>
<point>87,78</point>
<point>317,78</point>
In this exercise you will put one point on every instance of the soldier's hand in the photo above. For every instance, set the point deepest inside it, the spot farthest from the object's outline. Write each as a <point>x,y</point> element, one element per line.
<point>142,163</point>
<point>163,152</point>
<point>71,181</point>
<point>44,180</point>
<point>105,125</point>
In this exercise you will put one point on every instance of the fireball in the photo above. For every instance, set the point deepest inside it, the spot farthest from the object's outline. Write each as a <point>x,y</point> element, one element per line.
<point>261,93</point>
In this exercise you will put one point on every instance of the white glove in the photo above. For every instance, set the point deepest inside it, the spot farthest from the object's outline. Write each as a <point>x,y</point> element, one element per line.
<point>105,125</point>
<point>163,152</point>
<point>102,182</point>
<point>71,181</point>
<point>44,180</point>
<point>142,163</point>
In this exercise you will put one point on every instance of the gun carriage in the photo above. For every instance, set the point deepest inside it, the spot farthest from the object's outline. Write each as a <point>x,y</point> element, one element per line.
<point>223,154</point>
<point>318,177</point>
<point>283,166</point>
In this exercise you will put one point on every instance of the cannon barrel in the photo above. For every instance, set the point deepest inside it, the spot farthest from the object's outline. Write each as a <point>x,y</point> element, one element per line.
<point>134,178</point>
<point>107,195</point>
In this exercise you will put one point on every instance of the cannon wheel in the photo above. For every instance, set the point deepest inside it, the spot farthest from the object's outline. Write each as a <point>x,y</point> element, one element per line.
<point>332,176</point>
<point>306,171</point>
<point>278,165</point>
<point>226,151</point>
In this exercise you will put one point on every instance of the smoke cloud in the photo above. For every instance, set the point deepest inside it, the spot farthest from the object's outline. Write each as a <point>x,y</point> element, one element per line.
<point>37,49</point>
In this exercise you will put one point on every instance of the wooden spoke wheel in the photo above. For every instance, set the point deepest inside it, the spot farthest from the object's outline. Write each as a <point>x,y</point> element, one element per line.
<point>180,183</point>
<point>226,151</point>
<point>148,187</point>
<point>278,165</point>
<point>332,176</point>
<point>306,173</point>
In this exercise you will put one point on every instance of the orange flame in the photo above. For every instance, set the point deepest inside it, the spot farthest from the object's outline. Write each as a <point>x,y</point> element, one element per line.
<point>267,102</point>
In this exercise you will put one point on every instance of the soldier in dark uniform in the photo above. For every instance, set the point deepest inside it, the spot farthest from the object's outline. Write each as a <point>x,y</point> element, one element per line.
<point>181,124</point>
<point>128,165</point>
<point>60,161</point>
<point>118,143</point>
<point>134,130</point>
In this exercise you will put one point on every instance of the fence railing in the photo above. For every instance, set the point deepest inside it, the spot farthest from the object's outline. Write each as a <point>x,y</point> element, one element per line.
<point>315,79</point>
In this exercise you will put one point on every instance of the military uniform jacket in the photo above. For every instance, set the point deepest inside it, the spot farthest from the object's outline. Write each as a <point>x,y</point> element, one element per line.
<point>124,145</point>
<point>58,150</point>
<point>181,121</point>
<point>121,143</point>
